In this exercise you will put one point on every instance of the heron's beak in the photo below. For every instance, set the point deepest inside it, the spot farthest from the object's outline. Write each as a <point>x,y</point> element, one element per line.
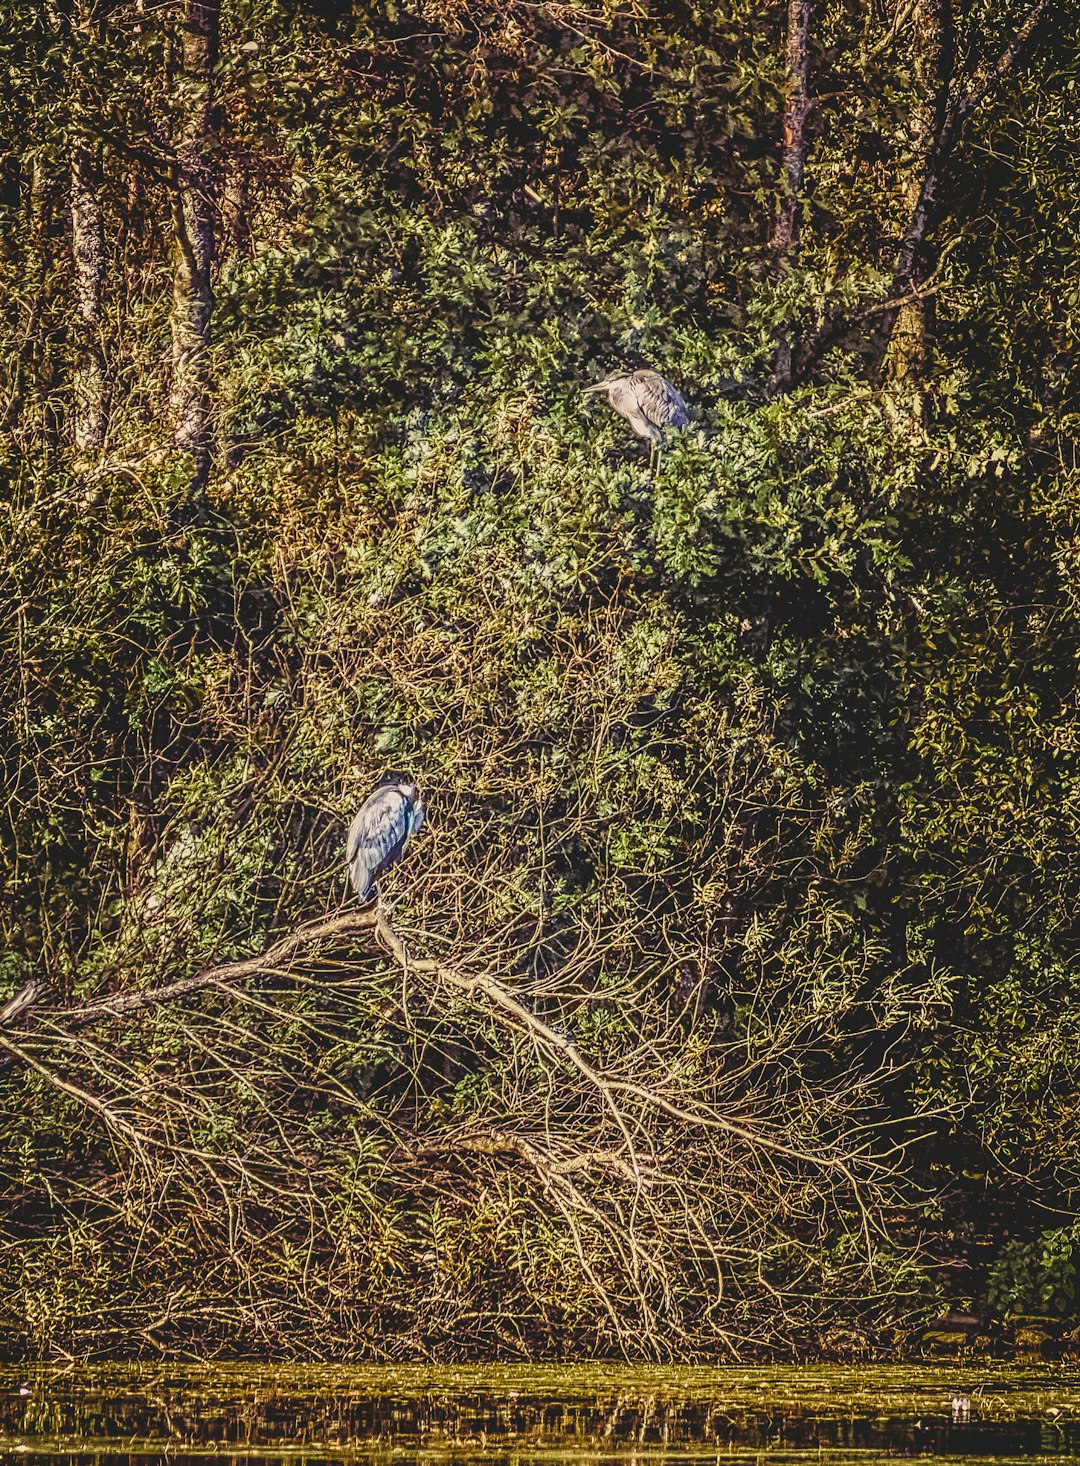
<point>596,387</point>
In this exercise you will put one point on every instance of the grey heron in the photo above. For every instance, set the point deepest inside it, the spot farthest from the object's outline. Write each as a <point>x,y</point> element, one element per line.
<point>647,400</point>
<point>380,830</point>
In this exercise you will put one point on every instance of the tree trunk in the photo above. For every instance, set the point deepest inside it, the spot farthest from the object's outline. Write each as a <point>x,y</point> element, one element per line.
<point>193,236</point>
<point>21,365</point>
<point>925,190</point>
<point>41,396</point>
<point>796,114</point>
<point>88,251</point>
<point>88,257</point>
<point>907,328</point>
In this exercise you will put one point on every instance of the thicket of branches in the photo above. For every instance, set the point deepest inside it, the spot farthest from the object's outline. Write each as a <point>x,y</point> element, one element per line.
<point>725,1003</point>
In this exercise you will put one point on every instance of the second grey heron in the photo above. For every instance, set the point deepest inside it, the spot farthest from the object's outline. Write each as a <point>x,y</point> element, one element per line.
<point>380,830</point>
<point>647,400</point>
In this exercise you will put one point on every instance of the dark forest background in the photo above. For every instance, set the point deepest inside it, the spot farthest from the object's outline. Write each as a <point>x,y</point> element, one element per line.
<point>727,1005</point>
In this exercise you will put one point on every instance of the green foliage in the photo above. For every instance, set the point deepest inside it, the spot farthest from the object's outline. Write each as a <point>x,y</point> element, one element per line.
<point>753,777</point>
<point>1036,1277</point>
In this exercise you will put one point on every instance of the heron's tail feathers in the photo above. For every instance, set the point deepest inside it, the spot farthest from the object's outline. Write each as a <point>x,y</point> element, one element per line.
<point>360,880</point>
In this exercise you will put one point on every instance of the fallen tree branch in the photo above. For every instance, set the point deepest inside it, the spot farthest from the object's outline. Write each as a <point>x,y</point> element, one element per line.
<point>72,1020</point>
<point>556,1042</point>
<point>612,1091</point>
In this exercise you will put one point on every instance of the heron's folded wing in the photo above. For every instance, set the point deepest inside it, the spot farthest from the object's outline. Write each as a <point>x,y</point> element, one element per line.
<point>381,824</point>
<point>661,403</point>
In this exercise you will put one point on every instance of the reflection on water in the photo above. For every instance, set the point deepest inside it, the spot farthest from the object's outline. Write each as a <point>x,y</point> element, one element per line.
<point>487,1416</point>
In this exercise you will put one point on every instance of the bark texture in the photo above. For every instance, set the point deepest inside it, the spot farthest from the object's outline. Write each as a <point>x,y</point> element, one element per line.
<point>88,253</point>
<point>942,125</point>
<point>905,327</point>
<point>796,115</point>
<point>193,235</point>
<point>42,397</point>
<point>796,140</point>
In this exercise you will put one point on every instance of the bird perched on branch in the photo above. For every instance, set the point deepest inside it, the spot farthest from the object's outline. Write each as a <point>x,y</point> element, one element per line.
<point>380,829</point>
<point>647,400</point>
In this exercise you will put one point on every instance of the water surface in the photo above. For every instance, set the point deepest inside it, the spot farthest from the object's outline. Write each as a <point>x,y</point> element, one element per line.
<point>418,1415</point>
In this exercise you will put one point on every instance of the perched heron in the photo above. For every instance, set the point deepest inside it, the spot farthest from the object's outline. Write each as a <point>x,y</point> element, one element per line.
<point>647,400</point>
<point>380,829</point>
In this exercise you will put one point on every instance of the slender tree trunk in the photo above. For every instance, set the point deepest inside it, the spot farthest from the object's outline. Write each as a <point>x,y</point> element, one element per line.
<point>21,365</point>
<point>42,395</point>
<point>193,236</point>
<point>925,202</point>
<point>906,328</point>
<point>88,256</point>
<point>88,250</point>
<point>796,115</point>
<point>785,231</point>
<point>925,191</point>
<point>34,404</point>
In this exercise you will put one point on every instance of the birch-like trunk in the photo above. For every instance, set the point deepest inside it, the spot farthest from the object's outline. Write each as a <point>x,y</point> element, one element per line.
<point>193,236</point>
<point>88,252</point>
<point>88,257</point>
<point>908,329</point>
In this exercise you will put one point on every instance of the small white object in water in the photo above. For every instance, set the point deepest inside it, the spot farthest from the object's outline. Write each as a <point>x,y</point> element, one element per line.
<point>960,1409</point>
